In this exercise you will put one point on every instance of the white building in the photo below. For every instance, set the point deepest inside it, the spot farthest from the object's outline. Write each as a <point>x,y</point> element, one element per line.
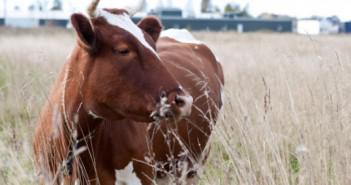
<point>309,27</point>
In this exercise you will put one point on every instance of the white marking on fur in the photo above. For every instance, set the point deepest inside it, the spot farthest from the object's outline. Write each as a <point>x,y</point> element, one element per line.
<point>123,21</point>
<point>127,176</point>
<point>184,36</point>
<point>186,109</point>
<point>181,35</point>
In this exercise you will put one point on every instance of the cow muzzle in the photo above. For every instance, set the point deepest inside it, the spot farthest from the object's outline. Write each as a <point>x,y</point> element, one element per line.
<point>176,105</point>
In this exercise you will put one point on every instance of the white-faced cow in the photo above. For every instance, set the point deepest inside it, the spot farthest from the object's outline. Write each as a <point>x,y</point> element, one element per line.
<point>129,106</point>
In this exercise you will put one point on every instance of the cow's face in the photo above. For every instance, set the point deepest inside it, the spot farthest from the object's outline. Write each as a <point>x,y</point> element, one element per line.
<point>126,78</point>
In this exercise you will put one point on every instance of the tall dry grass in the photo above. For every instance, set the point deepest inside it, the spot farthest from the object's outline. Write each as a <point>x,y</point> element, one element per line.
<point>286,119</point>
<point>29,62</point>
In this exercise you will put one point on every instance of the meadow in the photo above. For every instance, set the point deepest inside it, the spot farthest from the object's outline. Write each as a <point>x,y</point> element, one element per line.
<point>286,118</point>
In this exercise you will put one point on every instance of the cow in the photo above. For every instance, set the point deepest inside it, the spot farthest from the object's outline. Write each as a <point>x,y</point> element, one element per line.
<point>132,104</point>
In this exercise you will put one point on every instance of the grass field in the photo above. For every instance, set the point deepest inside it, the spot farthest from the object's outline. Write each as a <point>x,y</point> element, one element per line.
<point>286,119</point>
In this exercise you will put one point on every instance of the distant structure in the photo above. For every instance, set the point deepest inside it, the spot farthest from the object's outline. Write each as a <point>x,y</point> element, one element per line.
<point>189,9</point>
<point>56,5</point>
<point>167,12</point>
<point>205,16</point>
<point>143,5</point>
<point>330,25</point>
<point>234,10</point>
<point>208,10</point>
<point>319,25</point>
<point>347,27</point>
<point>205,6</point>
<point>308,27</point>
<point>273,16</point>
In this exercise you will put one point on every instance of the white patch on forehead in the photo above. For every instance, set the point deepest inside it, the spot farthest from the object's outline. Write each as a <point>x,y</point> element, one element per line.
<point>123,21</point>
<point>180,35</point>
<point>127,176</point>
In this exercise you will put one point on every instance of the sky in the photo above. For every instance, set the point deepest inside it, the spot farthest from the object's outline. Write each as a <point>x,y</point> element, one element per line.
<point>295,8</point>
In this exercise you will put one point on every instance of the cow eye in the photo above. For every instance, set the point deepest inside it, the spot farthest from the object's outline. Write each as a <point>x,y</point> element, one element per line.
<point>124,51</point>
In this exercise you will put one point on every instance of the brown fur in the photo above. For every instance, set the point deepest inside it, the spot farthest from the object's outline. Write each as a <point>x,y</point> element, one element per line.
<point>123,89</point>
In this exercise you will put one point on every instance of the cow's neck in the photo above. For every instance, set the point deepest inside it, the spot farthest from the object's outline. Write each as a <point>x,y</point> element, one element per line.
<point>74,113</point>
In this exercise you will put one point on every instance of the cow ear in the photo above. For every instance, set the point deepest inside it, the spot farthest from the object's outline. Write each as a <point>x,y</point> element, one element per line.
<point>84,30</point>
<point>151,25</point>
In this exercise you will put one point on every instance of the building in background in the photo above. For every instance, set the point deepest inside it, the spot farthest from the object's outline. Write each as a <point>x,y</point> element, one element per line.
<point>167,12</point>
<point>189,9</point>
<point>347,27</point>
<point>196,15</point>
<point>331,25</point>
<point>308,26</point>
<point>320,25</point>
<point>35,13</point>
<point>205,6</point>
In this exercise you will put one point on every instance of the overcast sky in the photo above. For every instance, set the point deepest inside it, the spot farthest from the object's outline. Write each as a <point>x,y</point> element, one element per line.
<point>297,8</point>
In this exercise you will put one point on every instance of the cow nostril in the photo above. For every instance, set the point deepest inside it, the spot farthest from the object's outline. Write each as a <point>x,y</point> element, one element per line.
<point>163,94</point>
<point>169,114</point>
<point>180,102</point>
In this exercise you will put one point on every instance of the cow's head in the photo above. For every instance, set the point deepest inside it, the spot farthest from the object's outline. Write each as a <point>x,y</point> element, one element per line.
<point>126,77</point>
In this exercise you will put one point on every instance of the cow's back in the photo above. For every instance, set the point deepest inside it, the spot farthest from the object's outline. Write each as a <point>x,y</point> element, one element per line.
<point>197,70</point>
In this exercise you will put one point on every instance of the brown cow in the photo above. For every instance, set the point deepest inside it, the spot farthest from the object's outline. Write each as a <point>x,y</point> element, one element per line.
<point>122,111</point>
